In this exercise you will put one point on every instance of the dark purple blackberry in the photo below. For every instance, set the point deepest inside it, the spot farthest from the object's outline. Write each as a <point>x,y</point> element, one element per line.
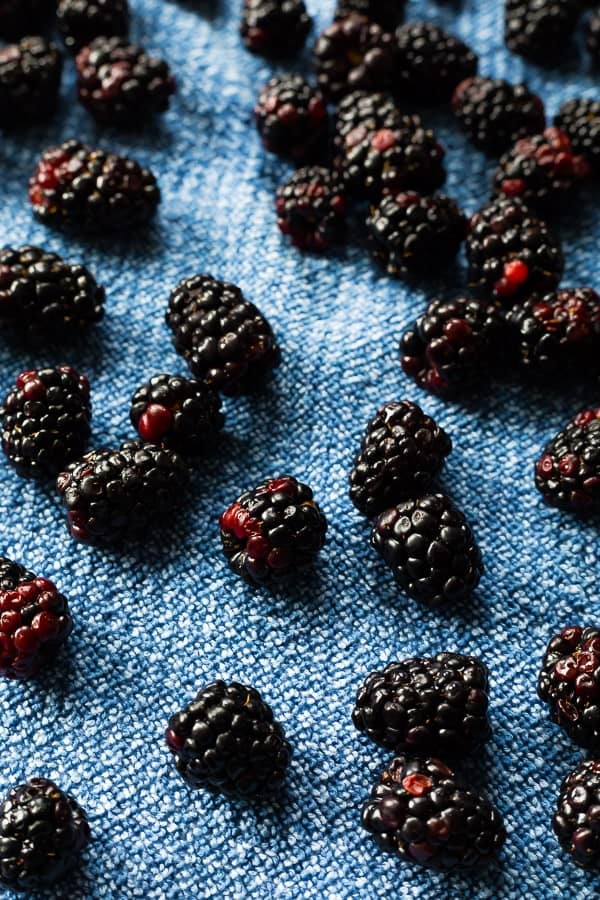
<point>424,813</point>
<point>568,471</point>
<point>42,834</point>
<point>179,413</point>
<point>30,74</point>
<point>223,337</point>
<point>569,682</point>
<point>19,18</point>
<point>431,62</point>
<point>580,120</point>
<point>593,38</point>
<point>291,117</point>
<point>495,113</point>
<point>273,530</point>
<point>540,31</point>
<point>408,232</point>
<point>386,13</point>
<point>430,549</point>
<point>576,822</point>
<point>311,208</point>
<point>354,54</point>
<point>276,28</point>
<point>119,82</point>
<point>401,453</point>
<point>364,112</point>
<point>111,495</point>
<point>511,253</point>
<point>80,21</point>
<point>227,742</point>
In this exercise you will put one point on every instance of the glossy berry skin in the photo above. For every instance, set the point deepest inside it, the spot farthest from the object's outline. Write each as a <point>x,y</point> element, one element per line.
<point>354,54</point>
<point>274,28</point>
<point>311,208</point>
<point>539,31</point>
<point>364,112</point>
<point>576,822</point>
<point>19,18</point>
<point>291,118</point>
<point>567,473</point>
<point>273,530</point>
<point>30,74</point>
<point>431,62</point>
<point>579,118</point>
<point>496,113</point>
<point>80,21</point>
<point>386,13</point>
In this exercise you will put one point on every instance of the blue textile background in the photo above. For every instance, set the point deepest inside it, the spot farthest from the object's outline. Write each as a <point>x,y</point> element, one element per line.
<point>152,626</point>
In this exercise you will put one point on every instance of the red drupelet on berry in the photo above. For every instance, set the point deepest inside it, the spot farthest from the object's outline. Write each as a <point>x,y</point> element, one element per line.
<point>496,113</point>
<point>291,117</point>
<point>386,13</point>
<point>579,118</point>
<point>431,62</point>
<point>311,208</point>
<point>276,28</point>
<point>365,112</point>
<point>355,54</point>
<point>19,18</point>
<point>80,21</point>
<point>30,73</point>
<point>576,822</point>
<point>540,31</point>
<point>568,472</point>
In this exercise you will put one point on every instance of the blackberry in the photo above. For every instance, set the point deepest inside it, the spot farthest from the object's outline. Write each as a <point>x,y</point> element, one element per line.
<point>80,21</point>
<point>511,253</point>
<point>569,682</point>
<point>430,548</point>
<point>568,471</point>
<point>227,741</point>
<point>593,38</point>
<point>42,834</point>
<point>576,821</point>
<point>580,120</point>
<point>539,30</point>
<point>30,74</point>
<point>386,13</point>
<point>495,113</point>
<point>311,208</point>
<point>291,117</point>
<point>401,453</point>
<point>354,54</point>
<point>93,189</point>
<point>276,28</point>
<point>431,62</point>
<point>179,413</point>
<point>424,813</point>
<point>19,18</point>
<point>119,82</point>
<point>45,297</point>
<point>408,231</point>
<point>273,530</point>
<point>366,112</point>
<point>223,337</point>
<point>111,495</point>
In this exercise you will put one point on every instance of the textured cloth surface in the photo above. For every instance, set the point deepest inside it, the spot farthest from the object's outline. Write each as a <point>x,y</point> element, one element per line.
<point>154,624</point>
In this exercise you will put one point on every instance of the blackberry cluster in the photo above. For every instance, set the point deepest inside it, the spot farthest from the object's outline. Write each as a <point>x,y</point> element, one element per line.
<point>402,451</point>
<point>568,472</point>
<point>431,62</point>
<point>30,73</point>
<point>386,13</point>
<point>311,208</point>
<point>576,821</point>
<point>593,38</point>
<point>580,120</point>
<point>539,30</point>
<point>355,54</point>
<point>291,117</point>
<point>495,113</point>
<point>80,21</point>
<point>22,17</point>
<point>276,28</point>
<point>223,337</point>
<point>360,113</point>
<point>273,530</point>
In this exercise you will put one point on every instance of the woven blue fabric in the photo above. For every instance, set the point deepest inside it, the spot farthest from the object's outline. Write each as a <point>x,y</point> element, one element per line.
<point>153,626</point>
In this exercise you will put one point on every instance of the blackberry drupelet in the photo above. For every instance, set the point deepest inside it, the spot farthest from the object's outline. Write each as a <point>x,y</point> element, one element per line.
<point>30,74</point>
<point>576,822</point>
<point>430,548</point>
<point>424,813</point>
<point>276,28</point>
<point>593,38</point>
<point>540,31</point>
<point>227,741</point>
<point>100,191</point>
<point>179,413</point>
<point>579,118</point>
<point>354,54</point>
<point>272,531</point>
<point>364,112</point>
<point>495,113</point>
<point>291,117</point>
<point>111,495</point>
<point>386,13</point>
<point>402,451</point>
<point>568,471</point>
<point>19,18</point>
<point>80,21</point>
<point>569,682</point>
<point>224,339</point>
<point>431,62</point>
<point>311,208</point>
<point>42,834</point>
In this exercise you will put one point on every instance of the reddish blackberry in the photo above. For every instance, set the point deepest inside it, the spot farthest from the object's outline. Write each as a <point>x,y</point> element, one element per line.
<point>22,17</point>
<point>424,813</point>
<point>276,28</point>
<point>511,253</point>
<point>311,208</point>
<point>386,13</point>
<point>73,184</point>
<point>576,821</point>
<point>580,120</point>
<point>179,413</point>
<point>29,80</point>
<point>569,682</point>
<point>227,741</point>
<point>568,471</point>
<point>223,337</point>
<point>539,30</point>
<point>431,62</point>
<point>495,113</point>
<point>42,834</point>
<point>354,54</point>
<point>401,453</point>
<point>364,112</point>
<point>273,530</point>
<point>430,548</point>
<point>593,38</point>
<point>111,495</point>
<point>80,21</point>
<point>291,117</point>
<point>408,231</point>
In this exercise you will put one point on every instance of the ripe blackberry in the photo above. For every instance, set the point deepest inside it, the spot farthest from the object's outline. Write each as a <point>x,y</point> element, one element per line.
<point>354,54</point>
<point>511,253</point>
<point>273,530</point>
<point>111,495</point>
<point>291,117</point>
<point>227,741</point>
<point>568,471</point>
<point>424,813</point>
<point>19,18</point>
<point>42,834</point>
<point>311,208</point>
<point>386,13</point>
<point>408,231</point>
<point>580,120</point>
<point>569,682</point>
<point>431,62</point>
<point>495,113</point>
<point>223,337</point>
<point>80,21</point>
<point>93,189</point>
<point>593,38</point>
<point>46,421</point>
<point>401,453</point>
<point>537,30</point>
<point>576,821</point>
<point>45,297</point>
<point>276,28</point>
<point>119,82</point>
<point>364,112</point>
<point>179,413</point>
<point>30,74</point>
<point>430,548</point>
